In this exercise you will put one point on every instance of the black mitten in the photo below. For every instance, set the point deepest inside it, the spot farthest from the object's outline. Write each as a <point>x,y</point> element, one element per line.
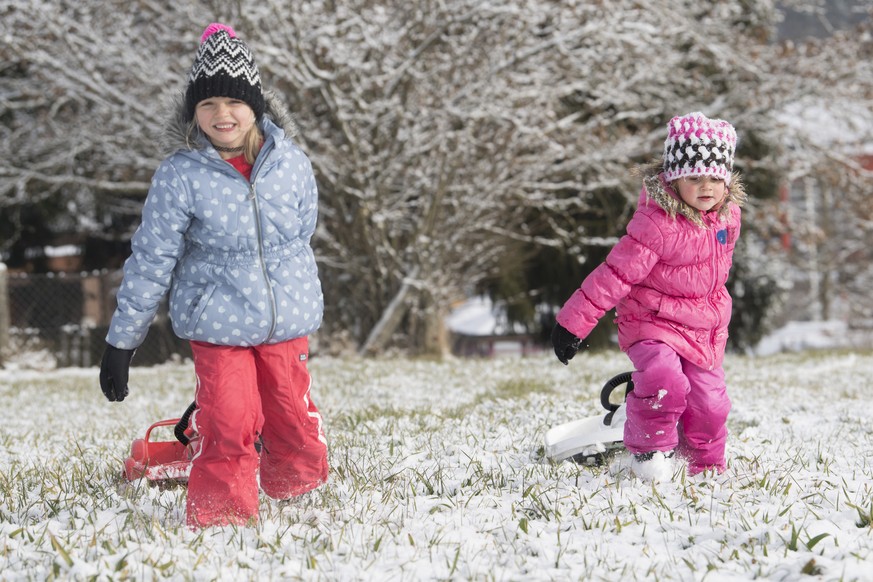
<point>566,344</point>
<point>114,370</point>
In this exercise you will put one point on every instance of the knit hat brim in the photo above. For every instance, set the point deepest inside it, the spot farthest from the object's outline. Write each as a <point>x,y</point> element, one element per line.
<point>221,85</point>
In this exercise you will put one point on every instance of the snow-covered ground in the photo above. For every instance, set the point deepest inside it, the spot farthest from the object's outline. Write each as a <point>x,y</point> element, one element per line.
<point>437,473</point>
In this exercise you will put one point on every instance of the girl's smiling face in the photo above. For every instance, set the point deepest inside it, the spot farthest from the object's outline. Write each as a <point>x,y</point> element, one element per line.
<point>701,192</point>
<point>225,121</point>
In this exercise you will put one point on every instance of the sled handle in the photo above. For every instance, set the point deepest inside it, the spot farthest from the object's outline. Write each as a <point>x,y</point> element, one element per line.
<point>182,425</point>
<point>148,434</point>
<point>612,384</point>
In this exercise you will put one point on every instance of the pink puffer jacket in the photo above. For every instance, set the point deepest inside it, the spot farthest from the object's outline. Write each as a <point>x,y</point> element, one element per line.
<point>666,277</point>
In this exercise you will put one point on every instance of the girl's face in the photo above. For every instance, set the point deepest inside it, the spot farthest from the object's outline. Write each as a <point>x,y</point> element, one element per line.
<point>225,121</point>
<point>701,192</point>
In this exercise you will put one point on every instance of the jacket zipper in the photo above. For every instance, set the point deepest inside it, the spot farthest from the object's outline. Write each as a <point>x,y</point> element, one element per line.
<point>263,262</point>
<point>274,310</point>
<point>716,277</point>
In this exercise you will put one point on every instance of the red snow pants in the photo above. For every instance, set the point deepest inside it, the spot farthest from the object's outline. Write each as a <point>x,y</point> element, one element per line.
<point>243,394</point>
<point>676,405</point>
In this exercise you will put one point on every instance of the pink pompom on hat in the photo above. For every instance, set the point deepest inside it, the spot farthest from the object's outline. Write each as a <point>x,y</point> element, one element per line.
<point>699,146</point>
<point>224,67</point>
<point>215,27</point>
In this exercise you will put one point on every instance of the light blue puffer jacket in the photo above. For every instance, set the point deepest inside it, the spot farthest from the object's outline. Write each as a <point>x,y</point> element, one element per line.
<point>234,256</point>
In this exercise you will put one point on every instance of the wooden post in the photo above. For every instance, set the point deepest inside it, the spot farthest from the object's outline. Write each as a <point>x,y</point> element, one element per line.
<point>4,314</point>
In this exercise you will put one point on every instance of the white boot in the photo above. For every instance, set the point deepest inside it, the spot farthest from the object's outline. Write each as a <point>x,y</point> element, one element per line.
<point>655,466</point>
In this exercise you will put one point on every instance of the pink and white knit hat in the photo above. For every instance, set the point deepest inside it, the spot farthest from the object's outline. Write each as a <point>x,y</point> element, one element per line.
<point>699,146</point>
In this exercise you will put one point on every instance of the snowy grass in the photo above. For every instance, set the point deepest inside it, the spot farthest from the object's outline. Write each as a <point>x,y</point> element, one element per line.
<point>437,474</point>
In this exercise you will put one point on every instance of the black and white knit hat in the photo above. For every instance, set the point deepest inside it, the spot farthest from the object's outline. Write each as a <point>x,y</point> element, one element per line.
<point>699,146</point>
<point>224,67</point>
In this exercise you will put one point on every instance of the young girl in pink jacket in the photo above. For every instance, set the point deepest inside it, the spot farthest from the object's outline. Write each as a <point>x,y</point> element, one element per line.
<point>666,278</point>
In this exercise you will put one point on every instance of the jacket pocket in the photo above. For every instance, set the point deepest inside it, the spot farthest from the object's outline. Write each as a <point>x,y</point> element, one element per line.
<point>648,298</point>
<point>199,301</point>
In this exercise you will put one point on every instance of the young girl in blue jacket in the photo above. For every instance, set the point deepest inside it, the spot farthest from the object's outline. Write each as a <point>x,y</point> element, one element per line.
<point>226,230</point>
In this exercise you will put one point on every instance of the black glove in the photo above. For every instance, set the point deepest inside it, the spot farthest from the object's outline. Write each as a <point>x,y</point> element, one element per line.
<point>114,370</point>
<point>566,344</point>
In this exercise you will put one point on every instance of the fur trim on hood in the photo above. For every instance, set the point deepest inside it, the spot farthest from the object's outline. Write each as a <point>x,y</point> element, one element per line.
<point>663,194</point>
<point>175,135</point>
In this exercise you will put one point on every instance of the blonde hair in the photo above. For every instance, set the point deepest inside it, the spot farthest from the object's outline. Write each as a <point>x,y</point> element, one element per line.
<point>253,141</point>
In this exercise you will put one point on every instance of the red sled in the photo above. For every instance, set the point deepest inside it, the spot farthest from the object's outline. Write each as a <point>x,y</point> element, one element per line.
<point>162,461</point>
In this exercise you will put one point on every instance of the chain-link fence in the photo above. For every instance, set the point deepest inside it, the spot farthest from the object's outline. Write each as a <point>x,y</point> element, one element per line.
<point>65,317</point>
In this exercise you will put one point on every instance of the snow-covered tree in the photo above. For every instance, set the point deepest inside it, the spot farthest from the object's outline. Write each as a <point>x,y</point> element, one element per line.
<point>82,84</point>
<point>459,145</point>
<point>455,139</point>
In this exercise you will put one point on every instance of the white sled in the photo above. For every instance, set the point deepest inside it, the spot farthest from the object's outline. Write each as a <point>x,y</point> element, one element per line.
<point>589,439</point>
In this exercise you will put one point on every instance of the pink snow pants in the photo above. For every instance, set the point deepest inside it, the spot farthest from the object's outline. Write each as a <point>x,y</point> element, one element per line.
<point>676,405</point>
<point>244,393</point>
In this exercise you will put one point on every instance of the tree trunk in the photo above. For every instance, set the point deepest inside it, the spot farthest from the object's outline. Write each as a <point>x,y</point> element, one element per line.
<point>391,317</point>
<point>4,314</point>
<point>436,334</point>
